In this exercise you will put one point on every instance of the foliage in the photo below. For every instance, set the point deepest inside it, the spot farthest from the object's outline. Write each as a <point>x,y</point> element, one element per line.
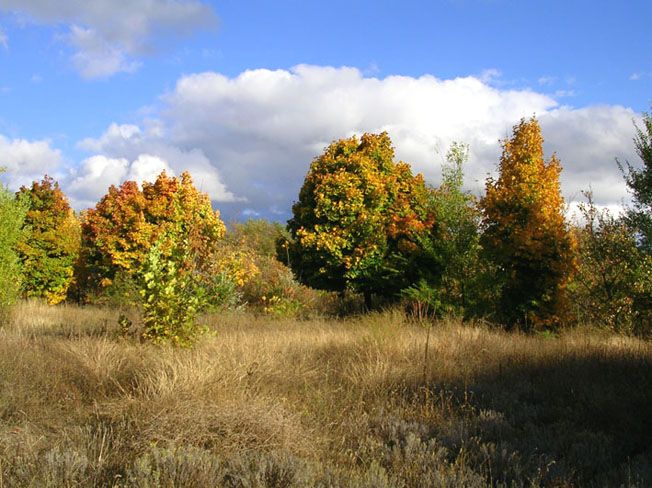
<point>357,222</point>
<point>451,247</point>
<point>12,215</point>
<point>50,244</point>
<point>525,233</point>
<point>613,286</point>
<point>118,233</point>
<point>639,182</point>
<point>421,300</point>
<point>170,293</point>
<point>258,234</point>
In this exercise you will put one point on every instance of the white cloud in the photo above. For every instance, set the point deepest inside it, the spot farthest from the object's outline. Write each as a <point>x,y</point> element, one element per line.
<point>26,161</point>
<point>94,176</point>
<point>97,58</point>
<point>150,154</point>
<point>640,75</point>
<point>547,80</point>
<point>147,168</point>
<point>262,128</point>
<point>588,141</point>
<point>4,40</point>
<point>257,133</point>
<point>108,34</point>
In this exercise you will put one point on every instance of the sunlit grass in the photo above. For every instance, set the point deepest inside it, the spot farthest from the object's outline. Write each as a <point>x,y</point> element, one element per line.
<point>319,403</point>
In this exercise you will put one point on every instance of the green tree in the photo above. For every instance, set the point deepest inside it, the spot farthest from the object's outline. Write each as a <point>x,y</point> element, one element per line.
<point>452,245</point>
<point>639,181</point>
<point>357,222</point>
<point>12,215</point>
<point>49,246</point>
<point>525,233</point>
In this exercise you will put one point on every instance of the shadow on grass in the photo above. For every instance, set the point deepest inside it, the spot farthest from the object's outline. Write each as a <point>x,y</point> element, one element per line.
<point>579,419</point>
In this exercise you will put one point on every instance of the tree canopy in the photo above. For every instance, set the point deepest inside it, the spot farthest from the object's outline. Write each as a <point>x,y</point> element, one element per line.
<point>639,181</point>
<point>358,218</point>
<point>50,242</point>
<point>118,233</point>
<point>525,233</point>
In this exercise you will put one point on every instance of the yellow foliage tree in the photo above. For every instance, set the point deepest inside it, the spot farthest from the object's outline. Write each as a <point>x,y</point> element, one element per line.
<point>358,219</point>
<point>526,235</point>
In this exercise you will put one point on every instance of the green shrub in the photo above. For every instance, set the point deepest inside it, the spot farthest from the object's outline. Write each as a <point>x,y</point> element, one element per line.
<point>171,294</point>
<point>613,287</point>
<point>12,216</point>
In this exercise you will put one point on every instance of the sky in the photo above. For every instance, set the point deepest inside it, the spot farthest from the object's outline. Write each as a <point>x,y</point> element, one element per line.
<point>244,94</point>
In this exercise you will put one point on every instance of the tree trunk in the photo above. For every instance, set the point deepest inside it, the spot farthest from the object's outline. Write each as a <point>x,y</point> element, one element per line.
<point>367,300</point>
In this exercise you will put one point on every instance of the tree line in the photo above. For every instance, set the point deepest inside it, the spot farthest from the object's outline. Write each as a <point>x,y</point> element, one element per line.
<point>364,225</point>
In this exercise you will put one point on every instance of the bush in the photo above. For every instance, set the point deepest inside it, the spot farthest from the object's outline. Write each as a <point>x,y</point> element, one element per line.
<point>275,291</point>
<point>12,215</point>
<point>613,287</point>
<point>171,295</point>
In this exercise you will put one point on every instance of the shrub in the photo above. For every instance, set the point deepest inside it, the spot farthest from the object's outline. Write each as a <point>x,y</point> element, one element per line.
<point>12,215</point>
<point>613,287</point>
<point>171,294</point>
<point>118,233</point>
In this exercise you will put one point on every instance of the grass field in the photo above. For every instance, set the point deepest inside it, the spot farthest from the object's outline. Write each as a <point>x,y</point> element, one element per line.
<point>319,403</point>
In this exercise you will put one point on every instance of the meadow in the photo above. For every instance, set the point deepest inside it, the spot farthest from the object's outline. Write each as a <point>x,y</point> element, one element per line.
<point>361,402</point>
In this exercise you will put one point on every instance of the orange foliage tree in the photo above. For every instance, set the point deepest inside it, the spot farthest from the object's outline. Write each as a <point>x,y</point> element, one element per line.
<point>49,245</point>
<point>119,232</point>
<point>525,234</point>
<point>358,219</point>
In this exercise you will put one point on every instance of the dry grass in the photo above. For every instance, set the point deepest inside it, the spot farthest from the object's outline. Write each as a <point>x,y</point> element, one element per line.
<point>319,403</point>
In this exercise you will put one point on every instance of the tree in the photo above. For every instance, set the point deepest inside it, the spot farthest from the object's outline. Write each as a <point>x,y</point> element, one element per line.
<point>452,245</point>
<point>12,215</point>
<point>358,218</point>
<point>119,232</point>
<point>639,182</point>
<point>50,242</point>
<point>525,233</point>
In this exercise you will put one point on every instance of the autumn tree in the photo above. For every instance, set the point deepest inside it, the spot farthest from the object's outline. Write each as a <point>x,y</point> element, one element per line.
<point>50,242</point>
<point>119,232</point>
<point>525,233</point>
<point>639,181</point>
<point>357,221</point>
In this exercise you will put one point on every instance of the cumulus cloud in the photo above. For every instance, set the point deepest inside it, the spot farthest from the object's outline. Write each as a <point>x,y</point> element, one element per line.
<point>25,161</point>
<point>107,35</point>
<point>94,176</point>
<point>96,173</point>
<point>126,152</point>
<point>588,140</point>
<point>262,128</point>
<point>249,140</point>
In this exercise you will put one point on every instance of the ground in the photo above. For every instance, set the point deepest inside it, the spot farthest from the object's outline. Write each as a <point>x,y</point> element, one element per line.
<point>353,402</point>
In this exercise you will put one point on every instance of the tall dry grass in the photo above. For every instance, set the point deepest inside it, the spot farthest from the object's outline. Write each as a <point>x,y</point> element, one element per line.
<point>319,403</point>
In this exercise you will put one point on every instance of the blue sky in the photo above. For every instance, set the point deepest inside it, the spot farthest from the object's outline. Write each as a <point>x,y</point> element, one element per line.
<point>245,93</point>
